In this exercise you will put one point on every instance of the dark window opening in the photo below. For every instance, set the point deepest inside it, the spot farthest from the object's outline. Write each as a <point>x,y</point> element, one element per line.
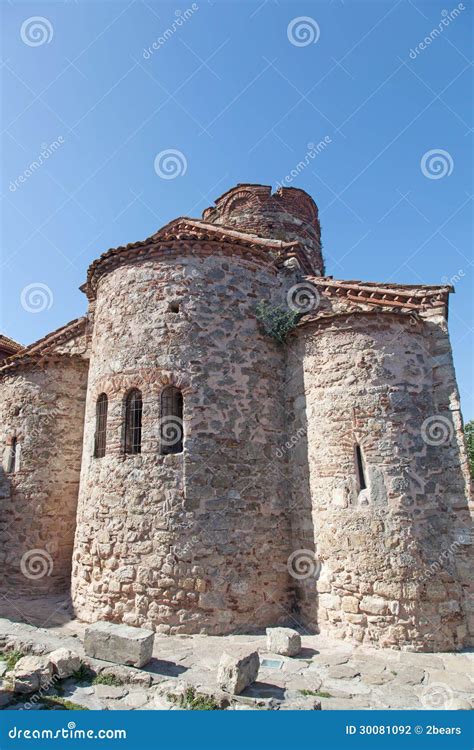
<point>100,426</point>
<point>12,457</point>
<point>173,307</point>
<point>171,421</point>
<point>360,468</point>
<point>133,422</point>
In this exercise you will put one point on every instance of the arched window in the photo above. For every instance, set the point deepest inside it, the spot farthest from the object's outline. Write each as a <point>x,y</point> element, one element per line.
<point>171,421</point>
<point>133,422</point>
<point>359,461</point>
<point>100,425</point>
<point>12,457</point>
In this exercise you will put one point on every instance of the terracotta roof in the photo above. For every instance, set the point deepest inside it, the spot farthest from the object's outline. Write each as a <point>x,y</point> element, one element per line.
<point>44,346</point>
<point>8,344</point>
<point>185,229</point>
<point>403,297</point>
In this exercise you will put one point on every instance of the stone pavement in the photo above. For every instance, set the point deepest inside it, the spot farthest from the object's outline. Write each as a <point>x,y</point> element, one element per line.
<point>334,674</point>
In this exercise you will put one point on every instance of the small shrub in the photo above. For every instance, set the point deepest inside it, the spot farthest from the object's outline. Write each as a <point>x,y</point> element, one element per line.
<point>60,704</point>
<point>316,693</point>
<point>12,658</point>
<point>192,701</point>
<point>277,322</point>
<point>107,679</point>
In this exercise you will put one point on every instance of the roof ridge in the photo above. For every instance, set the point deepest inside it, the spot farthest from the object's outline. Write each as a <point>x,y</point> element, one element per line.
<point>405,289</point>
<point>41,346</point>
<point>10,343</point>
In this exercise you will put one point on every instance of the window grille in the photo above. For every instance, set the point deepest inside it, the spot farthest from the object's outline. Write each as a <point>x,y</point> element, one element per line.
<point>171,421</point>
<point>133,422</point>
<point>101,426</point>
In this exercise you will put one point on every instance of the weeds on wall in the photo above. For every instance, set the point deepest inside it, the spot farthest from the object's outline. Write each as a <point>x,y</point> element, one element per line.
<point>276,321</point>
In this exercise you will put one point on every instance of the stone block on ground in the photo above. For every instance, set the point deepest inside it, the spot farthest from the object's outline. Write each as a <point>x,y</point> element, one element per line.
<point>65,662</point>
<point>284,641</point>
<point>120,644</point>
<point>237,671</point>
<point>32,673</point>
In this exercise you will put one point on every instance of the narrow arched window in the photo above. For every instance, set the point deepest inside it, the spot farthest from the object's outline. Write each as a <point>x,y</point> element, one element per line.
<point>171,421</point>
<point>359,461</point>
<point>100,425</point>
<point>133,422</point>
<point>12,457</point>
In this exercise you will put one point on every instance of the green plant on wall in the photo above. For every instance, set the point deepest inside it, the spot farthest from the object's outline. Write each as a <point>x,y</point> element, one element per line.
<point>276,321</point>
<point>469,433</point>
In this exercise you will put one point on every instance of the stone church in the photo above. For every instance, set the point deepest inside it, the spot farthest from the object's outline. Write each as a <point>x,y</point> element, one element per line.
<point>175,466</point>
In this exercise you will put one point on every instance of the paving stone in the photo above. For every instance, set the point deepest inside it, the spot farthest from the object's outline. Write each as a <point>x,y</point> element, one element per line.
<point>136,698</point>
<point>408,675</point>
<point>457,704</point>
<point>284,641</point>
<point>301,704</point>
<point>394,696</point>
<point>110,691</point>
<point>426,661</point>
<point>121,644</point>
<point>454,680</point>
<point>343,671</point>
<point>329,660</point>
<point>453,663</point>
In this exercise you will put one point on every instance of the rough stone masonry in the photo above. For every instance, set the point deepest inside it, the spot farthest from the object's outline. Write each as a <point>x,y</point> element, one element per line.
<point>183,471</point>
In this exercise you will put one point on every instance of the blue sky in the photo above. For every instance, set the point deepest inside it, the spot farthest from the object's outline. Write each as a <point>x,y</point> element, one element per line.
<point>239,89</point>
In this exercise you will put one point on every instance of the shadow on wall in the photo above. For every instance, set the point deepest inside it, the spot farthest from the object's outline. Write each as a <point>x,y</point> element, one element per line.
<point>304,566</point>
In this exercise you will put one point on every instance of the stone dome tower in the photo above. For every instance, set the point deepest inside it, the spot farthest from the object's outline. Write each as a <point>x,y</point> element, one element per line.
<point>196,539</point>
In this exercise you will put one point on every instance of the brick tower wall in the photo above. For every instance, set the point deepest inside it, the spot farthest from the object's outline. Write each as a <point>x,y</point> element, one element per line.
<point>288,214</point>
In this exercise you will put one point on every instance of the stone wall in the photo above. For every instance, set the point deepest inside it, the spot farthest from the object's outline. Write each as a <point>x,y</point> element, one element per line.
<point>196,541</point>
<point>42,409</point>
<point>387,571</point>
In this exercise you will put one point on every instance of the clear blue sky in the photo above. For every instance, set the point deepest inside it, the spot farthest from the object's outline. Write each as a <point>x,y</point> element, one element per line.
<point>241,101</point>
